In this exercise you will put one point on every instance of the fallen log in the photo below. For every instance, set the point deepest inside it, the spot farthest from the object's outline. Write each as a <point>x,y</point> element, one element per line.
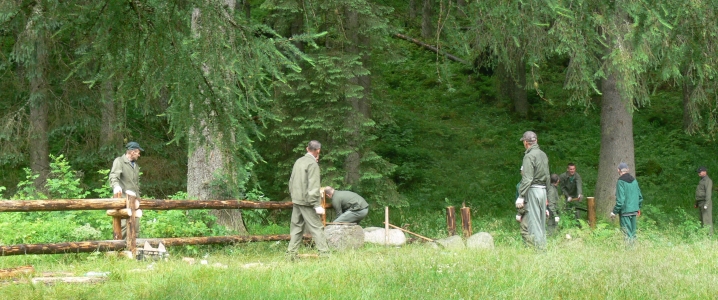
<point>148,204</point>
<point>181,241</point>
<point>430,48</point>
<point>16,272</point>
<point>60,205</point>
<point>154,204</point>
<point>60,248</point>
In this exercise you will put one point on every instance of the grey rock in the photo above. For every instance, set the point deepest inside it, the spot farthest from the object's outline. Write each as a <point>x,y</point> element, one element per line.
<point>481,240</point>
<point>453,243</point>
<point>376,235</point>
<point>345,236</point>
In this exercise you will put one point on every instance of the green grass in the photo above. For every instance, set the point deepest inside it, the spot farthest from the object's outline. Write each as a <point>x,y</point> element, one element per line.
<point>586,267</point>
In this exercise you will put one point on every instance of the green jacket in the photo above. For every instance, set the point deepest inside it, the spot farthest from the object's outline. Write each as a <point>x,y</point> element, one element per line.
<point>704,191</point>
<point>552,195</point>
<point>304,184</point>
<point>347,201</point>
<point>535,167</point>
<point>628,196</point>
<point>125,175</point>
<point>571,186</point>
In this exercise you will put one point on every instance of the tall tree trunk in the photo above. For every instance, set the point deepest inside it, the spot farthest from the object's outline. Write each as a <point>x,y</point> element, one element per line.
<point>427,25</point>
<point>38,143</point>
<point>412,10</point>
<point>512,85</point>
<point>616,143</point>
<point>688,106</point>
<point>206,172</point>
<point>360,104</point>
<point>109,135</point>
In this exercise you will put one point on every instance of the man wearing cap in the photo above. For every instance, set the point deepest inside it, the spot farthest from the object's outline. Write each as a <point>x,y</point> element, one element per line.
<point>349,206</point>
<point>571,188</point>
<point>628,202</point>
<point>125,176</point>
<point>532,189</point>
<point>704,201</point>
<point>304,188</point>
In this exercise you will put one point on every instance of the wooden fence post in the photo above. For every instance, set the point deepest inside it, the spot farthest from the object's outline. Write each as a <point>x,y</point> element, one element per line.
<point>591,204</point>
<point>466,221</point>
<point>450,221</point>
<point>386,225</point>
<point>116,228</point>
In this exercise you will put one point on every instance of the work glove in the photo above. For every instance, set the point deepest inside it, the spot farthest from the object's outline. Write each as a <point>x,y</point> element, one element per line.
<point>556,219</point>
<point>569,199</point>
<point>519,202</point>
<point>117,191</point>
<point>580,197</point>
<point>319,210</point>
<point>518,218</point>
<point>705,207</point>
<point>613,215</point>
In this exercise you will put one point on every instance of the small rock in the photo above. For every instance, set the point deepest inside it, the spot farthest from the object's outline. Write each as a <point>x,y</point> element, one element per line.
<point>481,240</point>
<point>189,260</point>
<point>376,235</point>
<point>345,236</point>
<point>452,243</point>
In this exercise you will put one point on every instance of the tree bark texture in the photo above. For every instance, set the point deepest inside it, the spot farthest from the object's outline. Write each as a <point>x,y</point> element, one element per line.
<point>205,166</point>
<point>513,84</point>
<point>37,75</point>
<point>616,143</point>
<point>412,10</point>
<point>109,135</point>
<point>60,248</point>
<point>689,109</point>
<point>427,25</point>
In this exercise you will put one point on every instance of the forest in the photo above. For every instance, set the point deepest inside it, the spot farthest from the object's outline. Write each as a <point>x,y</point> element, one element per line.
<point>419,104</point>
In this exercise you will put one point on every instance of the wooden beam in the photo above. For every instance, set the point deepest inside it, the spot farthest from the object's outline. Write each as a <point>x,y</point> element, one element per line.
<point>60,205</point>
<point>153,204</point>
<point>60,248</point>
<point>181,241</point>
<point>148,204</point>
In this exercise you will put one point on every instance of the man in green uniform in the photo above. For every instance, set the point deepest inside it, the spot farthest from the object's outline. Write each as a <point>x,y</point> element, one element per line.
<point>125,177</point>
<point>572,188</point>
<point>350,207</point>
<point>552,215</point>
<point>520,214</point>
<point>304,185</point>
<point>704,201</point>
<point>628,202</point>
<point>532,190</point>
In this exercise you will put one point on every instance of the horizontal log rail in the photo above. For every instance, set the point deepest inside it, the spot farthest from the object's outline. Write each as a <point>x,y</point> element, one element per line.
<point>147,204</point>
<point>116,245</point>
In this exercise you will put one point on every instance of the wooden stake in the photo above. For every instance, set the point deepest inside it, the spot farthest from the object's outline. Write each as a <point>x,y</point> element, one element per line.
<point>324,206</point>
<point>132,226</point>
<point>409,232</point>
<point>466,220</point>
<point>386,225</point>
<point>451,220</point>
<point>591,204</point>
<point>116,228</point>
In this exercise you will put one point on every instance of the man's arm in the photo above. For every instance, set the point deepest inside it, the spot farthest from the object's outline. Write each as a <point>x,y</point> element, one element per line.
<point>527,177</point>
<point>579,186</point>
<point>620,199</point>
<point>115,174</point>
<point>337,204</point>
<point>313,185</point>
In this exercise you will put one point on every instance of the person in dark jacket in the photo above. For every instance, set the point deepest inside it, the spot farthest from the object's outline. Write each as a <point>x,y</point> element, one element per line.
<point>349,206</point>
<point>704,203</point>
<point>628,202</point>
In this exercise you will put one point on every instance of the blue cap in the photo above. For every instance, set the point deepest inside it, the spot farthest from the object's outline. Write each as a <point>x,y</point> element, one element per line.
<point>133,146</point>
<point>622,166</point>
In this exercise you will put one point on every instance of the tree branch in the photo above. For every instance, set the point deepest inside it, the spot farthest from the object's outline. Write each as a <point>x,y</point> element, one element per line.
<point>430,48</point>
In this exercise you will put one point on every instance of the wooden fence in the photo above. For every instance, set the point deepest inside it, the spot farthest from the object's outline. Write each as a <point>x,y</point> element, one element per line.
<point>130,209</point>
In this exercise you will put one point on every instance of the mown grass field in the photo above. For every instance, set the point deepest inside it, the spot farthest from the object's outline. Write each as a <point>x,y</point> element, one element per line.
<point>590,265</point>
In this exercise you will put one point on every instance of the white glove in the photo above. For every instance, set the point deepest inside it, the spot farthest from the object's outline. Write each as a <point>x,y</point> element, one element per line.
<point>556,219</point>
<point>705,207</point>
<point>117,190</point>
<point>547,212</point>
<point>580,197</point>
<point>569,199</point>
<point>131,193</point>
<point>319,210</point>
<point>519,202</point>
<point>518,218</point>
<point>613,215</point>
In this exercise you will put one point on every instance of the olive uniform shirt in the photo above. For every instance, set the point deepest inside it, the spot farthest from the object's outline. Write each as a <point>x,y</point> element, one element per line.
<point>126,174</point>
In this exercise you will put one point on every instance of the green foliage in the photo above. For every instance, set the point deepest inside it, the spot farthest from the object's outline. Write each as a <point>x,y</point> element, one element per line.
<point>63,182</point>
<point>178,223</point>
<point>102,190</point>
<point>26,189</point>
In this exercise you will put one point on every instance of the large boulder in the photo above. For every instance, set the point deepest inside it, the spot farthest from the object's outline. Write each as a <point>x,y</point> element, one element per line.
<point>453,242</point>
<point>344,236</point>
<point>481,240</point>
<point>376,235</point>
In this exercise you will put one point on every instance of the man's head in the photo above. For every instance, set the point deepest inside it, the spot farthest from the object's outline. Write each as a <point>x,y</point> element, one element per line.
<point>133,151</point>
<point>329,191</point>
<point>702,171</point>
<point>314,147</point>
<point>571,169</point>
<point>529,138</point>
<point>622,168</point>
<point>554,179</point>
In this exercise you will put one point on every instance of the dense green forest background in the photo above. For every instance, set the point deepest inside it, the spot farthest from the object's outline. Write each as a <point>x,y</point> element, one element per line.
<point>224,96</point>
